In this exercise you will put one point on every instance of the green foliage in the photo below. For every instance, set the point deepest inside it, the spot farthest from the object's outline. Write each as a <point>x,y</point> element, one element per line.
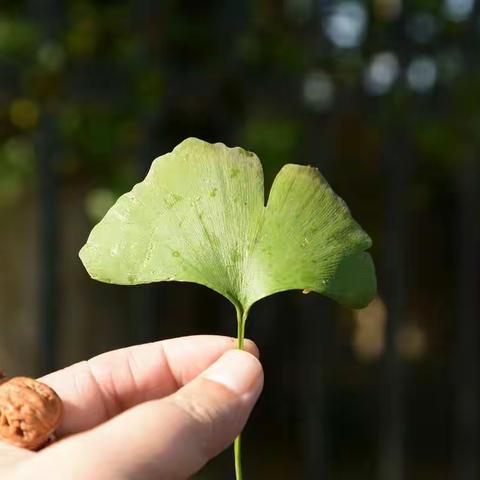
<point>17,38</point>
<point>106,72</point>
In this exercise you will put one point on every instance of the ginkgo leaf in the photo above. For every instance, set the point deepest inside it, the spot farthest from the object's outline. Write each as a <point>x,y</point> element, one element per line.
<point>199,216</point>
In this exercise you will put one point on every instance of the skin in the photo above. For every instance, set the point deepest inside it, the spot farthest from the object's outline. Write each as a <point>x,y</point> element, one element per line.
<point>155,411</point>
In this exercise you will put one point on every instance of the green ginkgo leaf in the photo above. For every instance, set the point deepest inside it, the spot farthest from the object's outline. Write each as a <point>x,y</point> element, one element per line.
<point>200,216</point>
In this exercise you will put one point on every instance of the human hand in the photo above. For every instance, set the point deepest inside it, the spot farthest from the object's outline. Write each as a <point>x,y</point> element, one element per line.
<point>155,411</point>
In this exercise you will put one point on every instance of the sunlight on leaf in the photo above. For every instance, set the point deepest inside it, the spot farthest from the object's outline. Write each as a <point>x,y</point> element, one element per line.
<point>199,216</point>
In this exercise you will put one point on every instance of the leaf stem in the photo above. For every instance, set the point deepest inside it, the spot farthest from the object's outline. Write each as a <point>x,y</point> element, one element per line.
<point>241,320</point>
<point>237,446</point>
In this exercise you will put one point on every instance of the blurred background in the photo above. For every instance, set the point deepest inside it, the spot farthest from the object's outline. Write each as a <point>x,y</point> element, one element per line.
<point>383,96</point>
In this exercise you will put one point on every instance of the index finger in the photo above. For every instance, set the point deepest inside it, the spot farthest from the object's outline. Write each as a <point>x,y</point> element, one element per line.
<point>98,389</point>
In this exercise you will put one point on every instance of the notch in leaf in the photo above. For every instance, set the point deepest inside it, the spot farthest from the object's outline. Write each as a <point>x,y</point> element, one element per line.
<point>199,216</point>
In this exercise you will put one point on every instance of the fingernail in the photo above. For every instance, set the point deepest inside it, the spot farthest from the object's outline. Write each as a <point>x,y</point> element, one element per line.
<point>237,370</point>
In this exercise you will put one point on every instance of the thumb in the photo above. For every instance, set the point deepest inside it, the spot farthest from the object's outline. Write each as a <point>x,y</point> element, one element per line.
<point>171,438</point>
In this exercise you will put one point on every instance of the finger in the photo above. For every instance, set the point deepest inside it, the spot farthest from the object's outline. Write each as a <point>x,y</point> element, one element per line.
<point>10,456</point>
<point>98,389</point>
<point>168,438</point>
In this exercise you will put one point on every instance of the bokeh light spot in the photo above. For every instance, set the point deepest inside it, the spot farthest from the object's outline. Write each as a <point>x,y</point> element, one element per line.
<point>422,74</point>
<point>98,202</point>
<point>24,113</point>
<point>51,56</point>
<point>346,23</point>
<point>451,64</point>
<point>318,90</point>
<point>411,342</point>
<point>369,333</point>
<point>19,153</point>
<point>458,10</point>
<point>381,73</point>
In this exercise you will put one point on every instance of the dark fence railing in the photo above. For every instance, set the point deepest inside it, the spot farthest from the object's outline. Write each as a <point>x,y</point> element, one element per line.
<point>466,369</point>
<point>48,14</point>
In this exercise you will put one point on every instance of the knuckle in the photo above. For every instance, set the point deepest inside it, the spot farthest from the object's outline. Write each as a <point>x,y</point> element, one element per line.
<point>198,411</point>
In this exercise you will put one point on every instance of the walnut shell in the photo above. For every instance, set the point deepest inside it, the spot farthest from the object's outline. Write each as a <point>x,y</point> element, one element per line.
<point>30,412</point>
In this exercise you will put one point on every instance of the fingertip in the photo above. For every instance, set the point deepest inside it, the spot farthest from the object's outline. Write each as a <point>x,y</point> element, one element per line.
<point>239,371</point>
<point>251,347</point>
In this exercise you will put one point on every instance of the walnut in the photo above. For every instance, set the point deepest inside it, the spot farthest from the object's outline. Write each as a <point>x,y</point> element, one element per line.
<point>30,412</point>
